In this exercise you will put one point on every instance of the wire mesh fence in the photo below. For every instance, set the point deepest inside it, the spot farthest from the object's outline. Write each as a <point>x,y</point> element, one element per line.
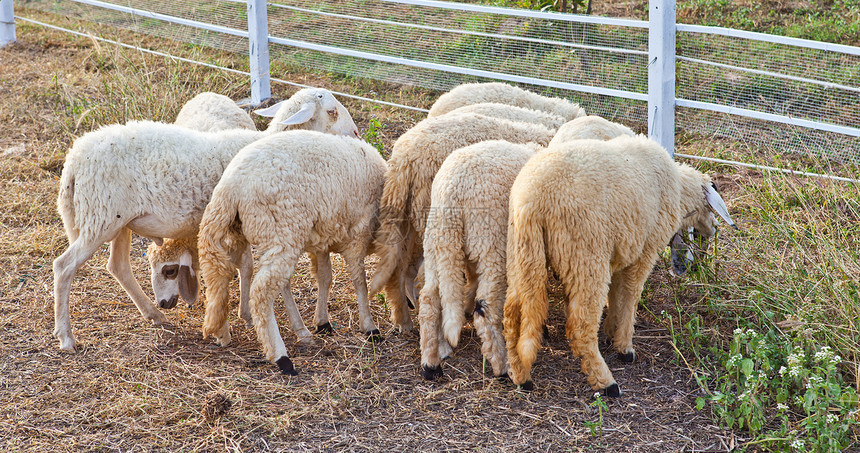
<point>601,63</point>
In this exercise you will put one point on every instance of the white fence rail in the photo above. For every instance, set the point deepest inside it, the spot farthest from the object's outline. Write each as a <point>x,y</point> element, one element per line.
<point>760,85</point>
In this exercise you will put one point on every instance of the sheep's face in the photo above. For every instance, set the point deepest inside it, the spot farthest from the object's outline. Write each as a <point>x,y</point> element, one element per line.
<point>335,118</point>
<point>318,110</point>
<point>696,228</point>
<point>174,279</point>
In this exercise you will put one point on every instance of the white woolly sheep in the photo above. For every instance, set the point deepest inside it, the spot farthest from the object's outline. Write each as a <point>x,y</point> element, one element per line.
<point>210,112</point>
<point>502,93</point>
<point>597,212</point>
<point>286,194</point>
<point>466,235</point>
<point>151,178</point>
<point>466,231</point>
<point>415,159</point>
<point>513,113</point>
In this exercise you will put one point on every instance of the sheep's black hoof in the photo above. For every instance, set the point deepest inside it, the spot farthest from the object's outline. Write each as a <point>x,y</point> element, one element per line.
<point>527,386</point>
<point>503,378</point>
<point>613,391</point>
<point>286,366</point>
<point>545,332</point>
<point>479,308</point>
<point>324,329</point>
<point>627,357</point>
<point>374,336</point>
<point>431,373</point>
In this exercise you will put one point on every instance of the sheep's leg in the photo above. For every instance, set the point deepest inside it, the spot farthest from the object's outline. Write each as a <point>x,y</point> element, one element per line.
<point>487,317</point>
<point>471,290</point>
<point>396,300</point>
<point>245,263</point>
<point>628,284</point>
<point>119,266</point>
<point>355,265</point>
<point>394,288</point>
<point>429,317</point>
<point>409,278</point>
<point>296,324</point>
<point>65,267</point>
<point>273,276</point>
<point>587,290</point>
<point>321,268</point>
<point>610,323</point>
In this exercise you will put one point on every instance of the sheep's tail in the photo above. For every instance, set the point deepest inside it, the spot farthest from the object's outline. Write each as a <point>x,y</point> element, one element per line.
<point>393,225</point>
<point>66,203</point>
<point>220,236</point>
<point>450,257</point>
<point>526,303</point>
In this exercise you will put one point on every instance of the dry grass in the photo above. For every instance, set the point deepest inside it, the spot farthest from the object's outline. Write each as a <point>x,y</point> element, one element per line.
<point>133,387</point>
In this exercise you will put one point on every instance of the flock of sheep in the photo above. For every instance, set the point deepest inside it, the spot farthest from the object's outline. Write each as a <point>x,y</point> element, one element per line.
<point>473,205</point>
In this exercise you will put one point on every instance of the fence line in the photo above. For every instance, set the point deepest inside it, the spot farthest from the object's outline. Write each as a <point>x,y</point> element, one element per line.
<point>210,65</point>
<point>662,61</point>
<point>767,168</point>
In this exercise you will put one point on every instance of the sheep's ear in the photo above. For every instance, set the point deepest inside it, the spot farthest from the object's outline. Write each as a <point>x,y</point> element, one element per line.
<point>302,116</point>
<point>715,201</point>
<point>188,287</point>
<point>269,112</point>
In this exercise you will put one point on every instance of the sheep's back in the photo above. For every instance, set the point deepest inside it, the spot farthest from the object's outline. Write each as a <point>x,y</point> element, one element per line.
<point>423,149</point>
<point>334,182</point>
<point>126,171</point>
<point>616,197</point>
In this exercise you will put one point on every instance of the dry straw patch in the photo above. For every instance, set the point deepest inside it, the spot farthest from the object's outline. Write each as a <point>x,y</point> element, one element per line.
<point>137,387</point>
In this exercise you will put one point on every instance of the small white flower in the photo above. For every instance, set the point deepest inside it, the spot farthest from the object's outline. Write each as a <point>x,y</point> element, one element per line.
<point>738,331</point>
<point>832,418</point>
<point>798,444</point>
<point>794,371</point>
<point>781,406</point>
<point>782,371</point>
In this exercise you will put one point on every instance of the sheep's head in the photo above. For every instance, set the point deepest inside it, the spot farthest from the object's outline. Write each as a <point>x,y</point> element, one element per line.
<point>174,273</point>
<point>313,109</point>
<point>700,200</point>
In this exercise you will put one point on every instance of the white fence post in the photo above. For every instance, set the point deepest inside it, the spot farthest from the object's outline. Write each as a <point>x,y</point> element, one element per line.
<point>258,40</point>
<point>661,73</point>
<point>7,22</point>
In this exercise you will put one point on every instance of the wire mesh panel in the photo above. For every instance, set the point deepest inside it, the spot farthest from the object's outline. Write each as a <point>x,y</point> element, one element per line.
<point>469,45</point>
<point>797,83</point>
<point>220,13</point>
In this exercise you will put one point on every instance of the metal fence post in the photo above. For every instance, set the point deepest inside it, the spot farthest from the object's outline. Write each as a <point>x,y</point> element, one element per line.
<point>7,22</point>
<point>258,41</point>
<point>661,73</point>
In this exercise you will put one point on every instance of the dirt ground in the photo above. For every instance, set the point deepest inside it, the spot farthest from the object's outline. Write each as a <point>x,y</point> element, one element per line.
<point>135,387</point>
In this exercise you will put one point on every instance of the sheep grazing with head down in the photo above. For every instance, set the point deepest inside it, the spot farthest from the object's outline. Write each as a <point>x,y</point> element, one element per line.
<point>286,194</point>
<point>154,179</point>
<point>466,224</point>
<point>502,93</point>
<point>173,265</point>
<point>598,212</point>
<point>466,234</point>
<point>415,159</point>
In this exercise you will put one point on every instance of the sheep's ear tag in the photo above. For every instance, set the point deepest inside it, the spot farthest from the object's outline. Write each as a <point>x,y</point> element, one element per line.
<point>715,201</point>
<point>302,116</point>
<point>187,280</point>
<point>269,112</point>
